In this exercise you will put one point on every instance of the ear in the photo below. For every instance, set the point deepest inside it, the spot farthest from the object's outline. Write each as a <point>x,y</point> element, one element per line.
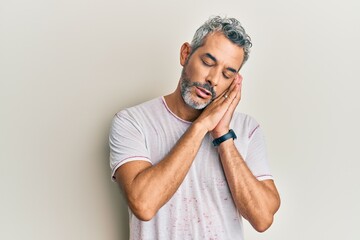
<point>185,51</point>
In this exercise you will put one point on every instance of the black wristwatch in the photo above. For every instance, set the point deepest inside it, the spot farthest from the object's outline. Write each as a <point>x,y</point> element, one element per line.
<point>224,137</point>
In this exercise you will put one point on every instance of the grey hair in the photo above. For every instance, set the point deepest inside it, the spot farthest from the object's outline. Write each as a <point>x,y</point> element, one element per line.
<point>230,27</point>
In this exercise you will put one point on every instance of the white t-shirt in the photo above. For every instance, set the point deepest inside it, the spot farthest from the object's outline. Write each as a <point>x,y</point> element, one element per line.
<point>202,207</point>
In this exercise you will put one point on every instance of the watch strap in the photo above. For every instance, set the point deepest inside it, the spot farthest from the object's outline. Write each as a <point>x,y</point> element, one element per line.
<point>231,134</point>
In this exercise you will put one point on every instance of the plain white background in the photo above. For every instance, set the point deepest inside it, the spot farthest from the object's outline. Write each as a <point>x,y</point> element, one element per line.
<point>66,67</point>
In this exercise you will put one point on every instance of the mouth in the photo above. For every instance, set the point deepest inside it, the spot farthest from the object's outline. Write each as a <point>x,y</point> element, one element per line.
<point>202,92</point>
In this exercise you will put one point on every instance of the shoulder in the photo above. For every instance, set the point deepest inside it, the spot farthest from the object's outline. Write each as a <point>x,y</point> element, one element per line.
<point>245,123</point>
<point>136,116</point>
<point>141,109</point>
<point>244,119</point>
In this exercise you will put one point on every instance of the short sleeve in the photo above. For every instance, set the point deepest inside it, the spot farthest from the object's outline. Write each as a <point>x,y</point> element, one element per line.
<point>257,159</point>
<point>127,142</point>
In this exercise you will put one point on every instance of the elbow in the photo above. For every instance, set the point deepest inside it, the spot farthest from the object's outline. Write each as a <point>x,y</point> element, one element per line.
<point>262,221</point>
<point>263,224</point>
<point>142,211</point>
<point>266,219</point>
<point>144,216</point>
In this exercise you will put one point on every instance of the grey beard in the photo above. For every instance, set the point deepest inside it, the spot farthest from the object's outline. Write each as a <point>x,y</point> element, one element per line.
<point>186,86</point>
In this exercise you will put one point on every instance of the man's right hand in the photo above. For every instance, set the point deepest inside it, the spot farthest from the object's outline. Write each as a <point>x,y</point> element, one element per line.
<point>220,108</point>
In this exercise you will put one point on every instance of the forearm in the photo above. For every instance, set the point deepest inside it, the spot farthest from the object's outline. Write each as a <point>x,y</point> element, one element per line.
<point>155,185</point>
<point>256,201</point>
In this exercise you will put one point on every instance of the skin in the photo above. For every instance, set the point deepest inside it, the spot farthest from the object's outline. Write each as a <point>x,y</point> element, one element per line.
<point>147,187</point>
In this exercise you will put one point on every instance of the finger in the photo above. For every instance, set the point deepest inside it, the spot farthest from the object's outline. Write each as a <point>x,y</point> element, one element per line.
<point>239,76</point>
<point>240,90</point>
<point>237,92</point>
<point>231,87</point>
<point>237,97</point>
<point>225,96</point>
<point>237,81</point>
<point>233,90</point>
<point>234,103</point>
<point>240,79</point>
<point>226,93</point>
<point>231,94</point>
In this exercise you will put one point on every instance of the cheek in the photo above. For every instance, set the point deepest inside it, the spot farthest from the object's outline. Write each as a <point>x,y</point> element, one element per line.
<point>196,72</point>
<point>223,87</point>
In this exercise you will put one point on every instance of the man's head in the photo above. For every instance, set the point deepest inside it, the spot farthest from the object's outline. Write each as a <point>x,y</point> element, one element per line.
<point>230,27</point>
<point>218,50</point>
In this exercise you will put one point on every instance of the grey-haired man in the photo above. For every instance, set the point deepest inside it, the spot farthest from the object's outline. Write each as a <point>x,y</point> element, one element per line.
<point>189,165</point>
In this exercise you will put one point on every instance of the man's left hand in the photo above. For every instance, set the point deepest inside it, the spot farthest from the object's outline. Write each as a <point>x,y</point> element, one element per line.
<point>223,126</point>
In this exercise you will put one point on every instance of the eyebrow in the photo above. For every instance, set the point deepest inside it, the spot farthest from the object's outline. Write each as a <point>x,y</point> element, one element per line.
<point>215,60</point>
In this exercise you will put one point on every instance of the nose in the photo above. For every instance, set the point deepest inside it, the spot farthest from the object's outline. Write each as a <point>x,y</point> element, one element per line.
<point>213,77</point>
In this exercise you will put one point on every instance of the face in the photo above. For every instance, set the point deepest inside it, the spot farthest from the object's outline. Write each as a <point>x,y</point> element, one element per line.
<point>210,70</point>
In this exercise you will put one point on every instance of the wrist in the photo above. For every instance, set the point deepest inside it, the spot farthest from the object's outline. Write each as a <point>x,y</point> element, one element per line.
<point>198,127</point>
<point>226,137</point>
<point>219,133</point>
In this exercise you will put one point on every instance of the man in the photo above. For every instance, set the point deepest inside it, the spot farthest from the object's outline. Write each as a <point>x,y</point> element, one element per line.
<point>177,159</point>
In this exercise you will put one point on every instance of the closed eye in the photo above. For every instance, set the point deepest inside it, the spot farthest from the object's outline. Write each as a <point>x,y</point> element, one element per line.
<point>226,76</point>
<point>206,63</point>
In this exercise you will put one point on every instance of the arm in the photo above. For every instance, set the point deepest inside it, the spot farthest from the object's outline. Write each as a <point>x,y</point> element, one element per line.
<point>147,187</point>
<point>257,201</point>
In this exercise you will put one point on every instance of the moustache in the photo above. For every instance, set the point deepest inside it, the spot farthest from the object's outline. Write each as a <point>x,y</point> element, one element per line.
<point>206,86</point>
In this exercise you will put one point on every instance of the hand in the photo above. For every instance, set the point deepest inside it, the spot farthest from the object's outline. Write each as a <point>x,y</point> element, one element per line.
<point>217,115</point>
<point>223,126</point>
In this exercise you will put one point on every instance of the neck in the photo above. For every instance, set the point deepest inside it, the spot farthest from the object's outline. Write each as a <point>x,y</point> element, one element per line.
<point>177,105</point>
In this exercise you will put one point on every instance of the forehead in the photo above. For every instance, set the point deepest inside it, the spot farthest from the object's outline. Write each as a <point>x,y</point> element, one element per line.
<point>223,50</point>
